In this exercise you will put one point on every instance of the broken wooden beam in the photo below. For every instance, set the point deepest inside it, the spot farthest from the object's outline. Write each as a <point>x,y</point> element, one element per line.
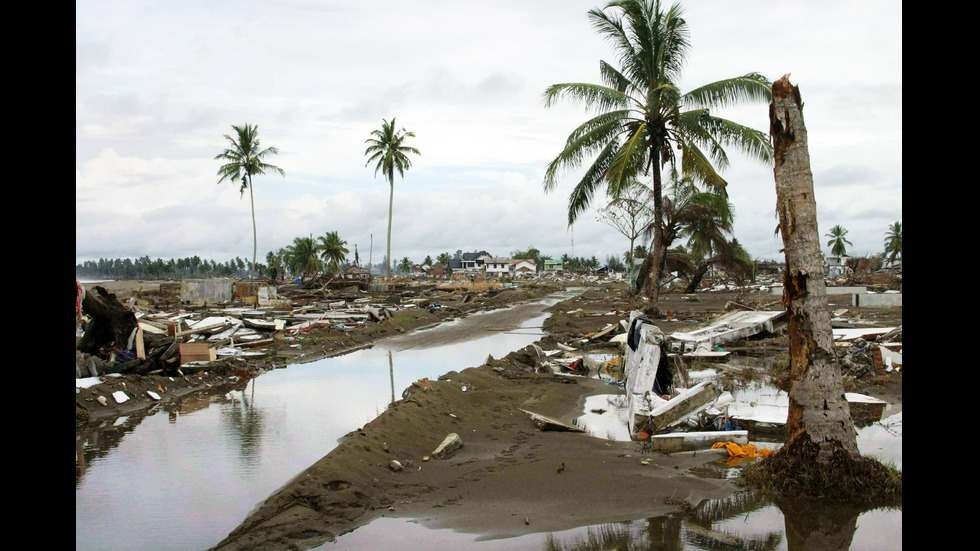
<point>547,423</point>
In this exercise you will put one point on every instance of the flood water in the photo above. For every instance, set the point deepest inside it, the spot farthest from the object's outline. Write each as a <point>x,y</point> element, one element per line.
<point>183,476</point>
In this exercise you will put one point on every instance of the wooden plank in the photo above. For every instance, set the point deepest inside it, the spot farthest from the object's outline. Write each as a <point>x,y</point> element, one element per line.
<point>547,423</point>
<point>140,346</point>
<point>199,329</point>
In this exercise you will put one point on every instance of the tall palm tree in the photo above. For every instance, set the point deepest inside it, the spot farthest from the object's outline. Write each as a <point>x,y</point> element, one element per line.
<point>643,116</point>
<point>302,256</point>
<point>388,148</point>
<point>893,241</point>
<point>838,243</point>
<point>244,161</point>
<point>332,250</point>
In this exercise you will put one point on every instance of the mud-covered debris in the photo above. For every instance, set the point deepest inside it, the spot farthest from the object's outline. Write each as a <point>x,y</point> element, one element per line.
<point>448,447</point>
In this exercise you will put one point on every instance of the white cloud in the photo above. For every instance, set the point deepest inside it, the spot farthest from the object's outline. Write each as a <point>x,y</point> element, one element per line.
<point>159,84</point>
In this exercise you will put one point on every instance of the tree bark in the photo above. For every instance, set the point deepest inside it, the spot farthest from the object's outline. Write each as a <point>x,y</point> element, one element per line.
<point>391,200</point>
<point>255,239</point>
<point>817,407</point>
<point>651,287</point>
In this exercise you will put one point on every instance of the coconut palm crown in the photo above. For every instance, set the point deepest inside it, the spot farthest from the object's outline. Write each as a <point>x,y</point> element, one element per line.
<point>838,242</point>
<point>643,116</point>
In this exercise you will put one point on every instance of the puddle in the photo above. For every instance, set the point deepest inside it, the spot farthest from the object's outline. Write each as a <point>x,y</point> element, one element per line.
<point>745,520</point>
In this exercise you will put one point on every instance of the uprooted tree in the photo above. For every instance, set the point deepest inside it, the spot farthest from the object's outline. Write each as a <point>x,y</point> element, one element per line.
<point>821,441</point>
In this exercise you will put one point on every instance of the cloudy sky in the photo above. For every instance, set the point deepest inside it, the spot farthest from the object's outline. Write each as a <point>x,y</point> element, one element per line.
<point>159,83</point>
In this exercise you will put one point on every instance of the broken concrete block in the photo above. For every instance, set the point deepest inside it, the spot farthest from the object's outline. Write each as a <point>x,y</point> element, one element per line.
<point>685,441</point>
<point>449,445</point>
<point>698,397</point>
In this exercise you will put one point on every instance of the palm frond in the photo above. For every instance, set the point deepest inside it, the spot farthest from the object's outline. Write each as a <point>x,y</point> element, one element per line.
<point>751,87</point>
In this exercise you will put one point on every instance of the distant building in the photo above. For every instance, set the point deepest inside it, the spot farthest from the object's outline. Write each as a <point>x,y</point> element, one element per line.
<point>522,267</point>
<point>554,265</point>
<point>836,266</point>
<point>497,267</point>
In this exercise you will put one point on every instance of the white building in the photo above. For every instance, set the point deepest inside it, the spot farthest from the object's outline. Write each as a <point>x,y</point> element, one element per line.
<point>497,267</point>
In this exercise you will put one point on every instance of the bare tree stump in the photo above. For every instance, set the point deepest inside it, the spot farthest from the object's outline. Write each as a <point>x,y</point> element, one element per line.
<point>817,407</point>
<point>112,323</point>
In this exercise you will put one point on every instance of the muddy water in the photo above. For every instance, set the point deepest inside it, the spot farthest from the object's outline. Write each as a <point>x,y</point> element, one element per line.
<point>184,476</point>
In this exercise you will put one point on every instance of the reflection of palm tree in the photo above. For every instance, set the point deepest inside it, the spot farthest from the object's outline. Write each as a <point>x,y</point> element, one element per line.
<point>391,373</point>
<point>737,505</point>
<point>600,538</point>
<point>828,529</point>
<point>248,421</point>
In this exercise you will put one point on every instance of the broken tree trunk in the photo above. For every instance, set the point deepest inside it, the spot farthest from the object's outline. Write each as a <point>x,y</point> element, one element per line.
<point>817,407</point>
<point>112,323</point>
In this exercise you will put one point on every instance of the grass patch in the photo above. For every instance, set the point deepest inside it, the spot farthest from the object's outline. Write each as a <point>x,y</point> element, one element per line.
<point>794,471</point>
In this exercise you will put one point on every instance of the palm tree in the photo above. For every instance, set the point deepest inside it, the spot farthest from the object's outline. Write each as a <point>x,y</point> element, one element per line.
<point>643,116</point>
<point>332,250</point>
<point>444,259</point>
<point>302,256</point>
<point>244,161</point>
<point>838,243</point>
<point>388,149</point>
<point>405,266</point>
<point>893,241</point>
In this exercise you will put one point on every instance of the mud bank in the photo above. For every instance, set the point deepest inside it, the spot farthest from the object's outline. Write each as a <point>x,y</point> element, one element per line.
<point>508,479</point>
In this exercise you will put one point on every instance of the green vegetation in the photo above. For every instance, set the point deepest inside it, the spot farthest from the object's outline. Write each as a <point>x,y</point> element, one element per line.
<point>332,251</point>
<point>644,118</point>
<point>838,242</point>
<point>145,268</point>
<point>893,242</point>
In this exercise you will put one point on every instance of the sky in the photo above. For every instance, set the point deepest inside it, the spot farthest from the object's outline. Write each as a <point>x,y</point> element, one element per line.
<point>158,85</point>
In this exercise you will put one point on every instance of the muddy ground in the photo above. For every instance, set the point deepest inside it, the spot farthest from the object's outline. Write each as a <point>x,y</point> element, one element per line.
<point>509,478</point>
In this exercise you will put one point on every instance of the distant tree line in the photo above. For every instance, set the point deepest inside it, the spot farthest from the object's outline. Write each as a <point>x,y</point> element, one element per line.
<point>145,268</point>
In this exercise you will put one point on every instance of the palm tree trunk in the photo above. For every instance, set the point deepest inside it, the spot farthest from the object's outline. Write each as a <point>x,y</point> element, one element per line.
<point>817,407</point>
<point>657,253</point>
<point>391,200</point>
<point>255,242</point>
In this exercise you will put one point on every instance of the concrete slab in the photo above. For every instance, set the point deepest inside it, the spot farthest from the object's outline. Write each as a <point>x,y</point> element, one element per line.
<point>730,327</point>
<point>686,441</point>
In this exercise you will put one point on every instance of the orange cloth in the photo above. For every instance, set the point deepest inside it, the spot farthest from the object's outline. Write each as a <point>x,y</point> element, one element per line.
<point>748,450</point>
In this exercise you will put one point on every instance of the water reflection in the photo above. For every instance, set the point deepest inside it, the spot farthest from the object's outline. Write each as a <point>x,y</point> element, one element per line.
<point>245,422</point>
<point>139,476</point>
<point>745,520</point>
